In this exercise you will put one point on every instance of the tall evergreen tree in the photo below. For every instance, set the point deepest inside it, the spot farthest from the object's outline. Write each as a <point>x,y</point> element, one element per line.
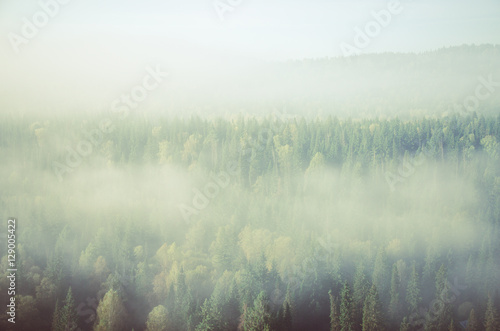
<point>346,309</point>
<point>472,322</point>
<point>372,312</point>
<point>360,291</point>
<point>405,326</point>
<point>491,318</point>
<point>211,317</point>
<point>68,316</point>
<point>441,316</point>
<point>259,317</point>
<point>182,307</point>
<point>381,274</point>
<point>334,313</point>
<point>56,318</point>
<point>413,297</point>
<point>441,281</point>
<point>394,305</point>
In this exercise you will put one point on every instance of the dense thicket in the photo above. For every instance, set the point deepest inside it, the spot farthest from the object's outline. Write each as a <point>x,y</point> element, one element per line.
<point>325,224</point>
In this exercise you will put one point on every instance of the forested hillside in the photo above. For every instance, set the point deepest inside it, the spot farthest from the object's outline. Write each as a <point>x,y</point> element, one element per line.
<point>253,222</point>
<point>367,86</point>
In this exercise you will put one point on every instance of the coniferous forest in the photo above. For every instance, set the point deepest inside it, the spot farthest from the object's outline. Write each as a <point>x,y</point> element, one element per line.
<point>254,223</point>
<point>230,165</point>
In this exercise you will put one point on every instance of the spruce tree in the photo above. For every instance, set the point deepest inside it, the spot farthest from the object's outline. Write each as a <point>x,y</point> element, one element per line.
<point>287,316</point>
<point>381,274</point>
<point>210,318</point>
<point>413,297</point>
<point>441,280</point>
<point>56,318</point>
<point>360,291</point>
<point>68,316</point>
<point>394,305</point>
<point>472,322</point>
<point>405,326</point>
<point>491,318</point>
<point>346,309</point>
<point>334,314</point>
<point>372,312</point>
<point>259,317</point>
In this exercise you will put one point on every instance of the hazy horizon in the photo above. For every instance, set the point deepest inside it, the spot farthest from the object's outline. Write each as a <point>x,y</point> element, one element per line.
<point>83,55</point>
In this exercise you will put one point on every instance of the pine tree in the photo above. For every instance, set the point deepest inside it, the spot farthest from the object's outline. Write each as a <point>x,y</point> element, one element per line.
<point>56,318</point>
<point>444,314</point>
<point>68,316</point>
<point>430,266</point>
<point>405,326</point>
<point>182,307</point>
<point>287,316</point>
<point>394,306</point>
<point>472,322</point>
<point>413,290</point>
<point>259,317</point>
<point>441,280</point>
<point>471,271</point>
<point>334,314</point>
<point>346,309</point>
<point>372,312</point>
<point>224,248</point>
<point>381,274</point>
<point>208,322</point>
<point>491,318</point>
<point>231,309</point>
<point>360,291</point>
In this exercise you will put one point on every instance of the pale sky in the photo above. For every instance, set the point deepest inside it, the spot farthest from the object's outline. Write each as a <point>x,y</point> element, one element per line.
<point>263,29</point>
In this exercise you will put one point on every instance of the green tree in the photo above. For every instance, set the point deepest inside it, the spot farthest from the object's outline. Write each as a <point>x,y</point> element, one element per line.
<point>334,314</point>
<point>491,318</point>
<point>157,319</point>
<point>111,313</point>
<point>372,312</point>
<point>360,291</point>
<point>258,318</point>
<point>441,280</point>
<point>87,260</point>
<point>225,248</point>
<point>284,319</point>
<point>471,271</point>
<point>490,145</point>
<point>405,326</point>
<point>182,300</point>
<point>472,322</point>
<point>394,304</point>
<point>68,316</point>
<point>381,274</point>
<point>346,309</point>
<point>211,317</point>
<point>443,314</point>
<point>413,297</point>
<point>56,318</point>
